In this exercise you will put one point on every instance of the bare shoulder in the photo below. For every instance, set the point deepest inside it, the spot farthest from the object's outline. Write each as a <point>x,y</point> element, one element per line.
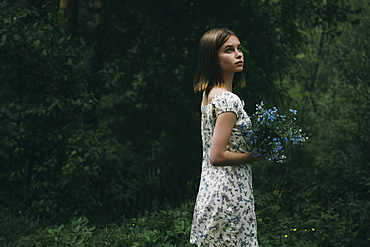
<point>212,93</point>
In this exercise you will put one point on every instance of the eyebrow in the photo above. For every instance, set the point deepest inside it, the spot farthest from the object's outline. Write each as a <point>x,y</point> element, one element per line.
<point>231,46</point>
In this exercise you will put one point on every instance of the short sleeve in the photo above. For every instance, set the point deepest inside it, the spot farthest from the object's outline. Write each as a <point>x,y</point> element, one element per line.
<point>226,102</point>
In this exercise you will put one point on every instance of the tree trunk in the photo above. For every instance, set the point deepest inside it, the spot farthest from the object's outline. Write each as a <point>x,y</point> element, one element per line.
<point>69,8</point>
<point>99,44</point>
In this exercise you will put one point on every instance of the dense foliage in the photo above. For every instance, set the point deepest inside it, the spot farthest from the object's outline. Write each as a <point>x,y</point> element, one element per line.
<point>56,160</point>
<point>103,124</point>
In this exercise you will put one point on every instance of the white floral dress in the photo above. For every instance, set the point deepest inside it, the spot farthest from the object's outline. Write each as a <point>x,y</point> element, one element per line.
<point>224,209</point>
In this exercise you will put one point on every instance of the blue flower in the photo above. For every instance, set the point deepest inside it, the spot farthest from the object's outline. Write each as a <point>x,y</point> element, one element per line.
<point>271,132</point>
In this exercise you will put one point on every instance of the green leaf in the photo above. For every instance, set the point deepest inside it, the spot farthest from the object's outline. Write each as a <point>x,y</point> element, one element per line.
<point>79,242</point>
<point>67,241</point>
<point>3,39</point>
<point>60,41</point>
<point>77,229</point>
<point>69,62</point>
<point>73,239</point>
<point>29,39</point>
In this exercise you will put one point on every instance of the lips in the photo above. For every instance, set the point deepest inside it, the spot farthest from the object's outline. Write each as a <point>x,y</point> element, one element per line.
<point>239,63</point>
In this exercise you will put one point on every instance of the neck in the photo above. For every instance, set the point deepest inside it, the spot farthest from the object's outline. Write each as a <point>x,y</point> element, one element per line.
<point>228,79</point>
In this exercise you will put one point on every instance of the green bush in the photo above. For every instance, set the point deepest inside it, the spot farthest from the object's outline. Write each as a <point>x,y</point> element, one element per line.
<point>56,158</point>
<point>314,226</point>
<point>169,227</point>
<point>13,226</point>
<point>163,228</point>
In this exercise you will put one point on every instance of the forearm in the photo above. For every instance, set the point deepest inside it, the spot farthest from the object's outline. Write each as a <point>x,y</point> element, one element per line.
<point>228,158</point>
<point>219,155</point>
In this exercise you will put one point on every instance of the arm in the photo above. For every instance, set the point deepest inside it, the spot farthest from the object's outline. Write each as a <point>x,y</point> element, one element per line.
<point>219,155</point>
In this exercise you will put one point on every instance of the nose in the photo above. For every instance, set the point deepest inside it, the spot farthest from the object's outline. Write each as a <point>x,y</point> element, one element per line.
<point>239,53</point>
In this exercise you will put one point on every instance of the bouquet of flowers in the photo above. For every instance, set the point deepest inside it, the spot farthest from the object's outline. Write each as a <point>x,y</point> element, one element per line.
<point>270,132</point>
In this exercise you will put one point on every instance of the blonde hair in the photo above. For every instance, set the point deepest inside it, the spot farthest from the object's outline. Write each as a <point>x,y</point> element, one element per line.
<point>209,73</point>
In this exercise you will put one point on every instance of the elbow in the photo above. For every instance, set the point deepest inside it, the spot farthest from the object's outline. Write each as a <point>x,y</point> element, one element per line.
<point>217,160</point>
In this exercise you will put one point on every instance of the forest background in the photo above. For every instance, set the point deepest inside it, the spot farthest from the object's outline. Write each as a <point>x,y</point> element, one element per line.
<point>100,128</point>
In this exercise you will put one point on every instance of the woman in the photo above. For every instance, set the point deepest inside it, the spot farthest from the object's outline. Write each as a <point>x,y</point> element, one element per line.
<point>224,210</point>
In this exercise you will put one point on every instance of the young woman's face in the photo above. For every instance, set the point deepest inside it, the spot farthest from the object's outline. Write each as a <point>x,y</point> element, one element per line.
<point>231,56</point>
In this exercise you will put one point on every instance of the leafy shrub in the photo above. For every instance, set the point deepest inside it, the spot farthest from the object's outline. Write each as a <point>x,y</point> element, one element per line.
<point>13,226</point>
<point>75,234</point>
<point>57,160</point>
<point>169,227</point>
<point>298,216</point>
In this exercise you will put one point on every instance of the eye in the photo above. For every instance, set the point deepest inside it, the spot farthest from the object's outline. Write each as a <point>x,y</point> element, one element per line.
<point>229,50</point>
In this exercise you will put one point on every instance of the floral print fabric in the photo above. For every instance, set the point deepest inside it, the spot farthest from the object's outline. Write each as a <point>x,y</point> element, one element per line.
<point>224,209</point>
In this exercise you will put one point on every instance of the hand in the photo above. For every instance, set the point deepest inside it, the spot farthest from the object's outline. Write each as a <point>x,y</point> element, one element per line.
<point>259,156</point>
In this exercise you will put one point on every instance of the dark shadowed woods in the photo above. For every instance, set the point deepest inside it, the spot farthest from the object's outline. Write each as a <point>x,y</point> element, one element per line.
<point>98,118</point>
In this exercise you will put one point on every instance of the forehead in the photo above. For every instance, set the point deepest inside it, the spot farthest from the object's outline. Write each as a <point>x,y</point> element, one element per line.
<point>233,41</point>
